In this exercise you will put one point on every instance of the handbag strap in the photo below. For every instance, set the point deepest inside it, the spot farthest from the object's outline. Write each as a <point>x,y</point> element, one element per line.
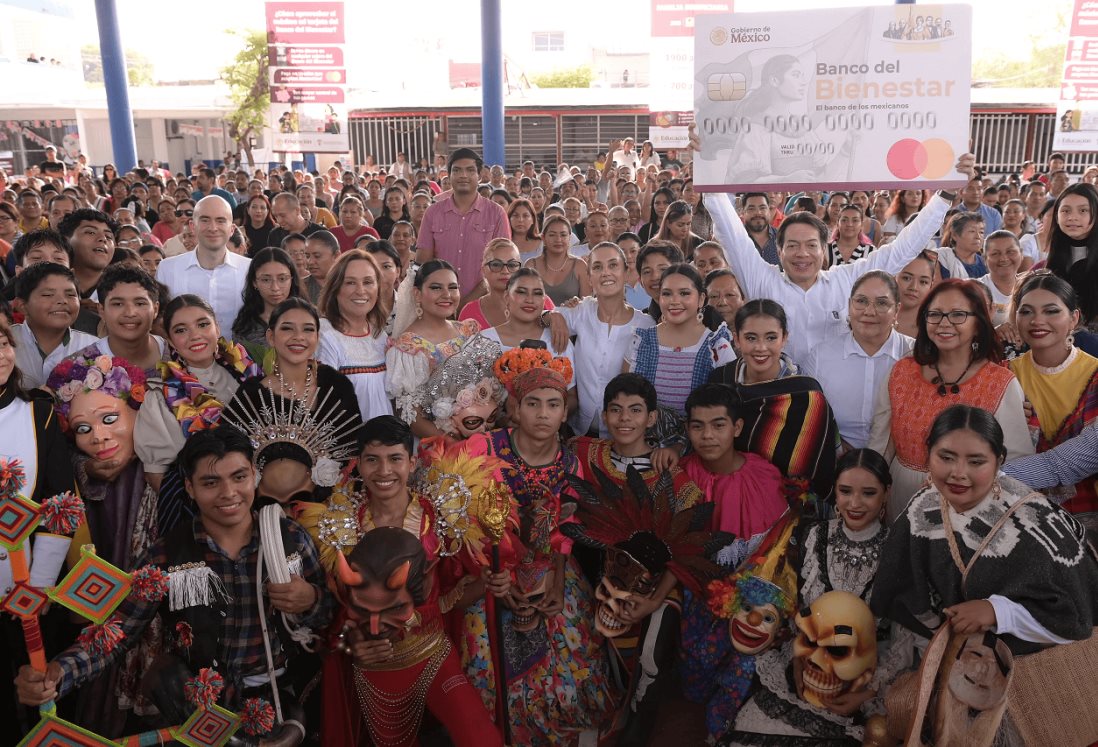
<point>955,551</point>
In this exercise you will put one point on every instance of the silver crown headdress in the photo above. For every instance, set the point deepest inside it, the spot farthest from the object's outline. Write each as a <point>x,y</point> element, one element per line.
<point>462,380</point>
<point>321,431</point>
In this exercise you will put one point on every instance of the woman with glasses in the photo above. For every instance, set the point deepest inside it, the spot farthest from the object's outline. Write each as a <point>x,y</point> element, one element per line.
<point>272,278</point>
<point>954,361</point>
<point>853,367</point>
<point>9,227</point>
<point>501,260</point>
<point>183,220</point>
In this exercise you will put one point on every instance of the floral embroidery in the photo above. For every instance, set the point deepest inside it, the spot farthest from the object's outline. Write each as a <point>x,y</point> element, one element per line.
<point>189,401</point>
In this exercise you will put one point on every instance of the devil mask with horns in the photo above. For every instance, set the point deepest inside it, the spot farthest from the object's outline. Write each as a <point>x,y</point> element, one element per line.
<point>382,581</point>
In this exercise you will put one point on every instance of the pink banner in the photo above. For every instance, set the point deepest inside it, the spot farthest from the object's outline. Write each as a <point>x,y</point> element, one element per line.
<point>309,77</point>
<point>305,23</point>
<point>309,95</point>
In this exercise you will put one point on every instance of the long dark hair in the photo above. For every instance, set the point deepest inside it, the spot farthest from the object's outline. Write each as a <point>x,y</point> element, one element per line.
<point>986,342</point>
<point>15,379</point>
<point>867,459</point>
<point>652,217</point>
<point>1059,243</point>
<point>430,268</point>
<point>968,418</point>
<point>248,318</point>
<point>762,307</point>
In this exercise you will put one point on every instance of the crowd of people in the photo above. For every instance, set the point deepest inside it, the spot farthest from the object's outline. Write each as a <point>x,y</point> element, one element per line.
<point>528,458</point>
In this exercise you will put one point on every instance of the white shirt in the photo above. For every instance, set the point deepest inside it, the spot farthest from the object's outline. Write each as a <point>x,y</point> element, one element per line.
<point>850,379</point>
<point>36,369</point>
<point>221,287</point>
<point>547,338</point>
<point>630,159</point>
<point>819,313</point>
<point>1000,301</point>
<point>600,351</point>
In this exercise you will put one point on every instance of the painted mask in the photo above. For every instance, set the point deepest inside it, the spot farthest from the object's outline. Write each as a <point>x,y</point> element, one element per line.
<point>980,675</point>
<point>632,569</point>
<point>533,577</point>
<point>102,426</point>
<point>384,579</point>
<point>836,646</point>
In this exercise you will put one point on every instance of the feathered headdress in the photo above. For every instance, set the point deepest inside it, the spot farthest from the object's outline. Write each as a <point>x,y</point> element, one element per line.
<point>634,516</point>
<point>468,502</point>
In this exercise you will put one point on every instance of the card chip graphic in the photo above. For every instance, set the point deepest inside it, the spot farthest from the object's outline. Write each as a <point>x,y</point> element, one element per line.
<point>727,86</point>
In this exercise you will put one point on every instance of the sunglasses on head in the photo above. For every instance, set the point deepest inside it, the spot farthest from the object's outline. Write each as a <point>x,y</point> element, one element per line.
<point>181,213</point>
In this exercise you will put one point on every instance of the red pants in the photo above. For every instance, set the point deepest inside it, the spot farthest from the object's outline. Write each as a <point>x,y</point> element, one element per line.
<point>452,700</point>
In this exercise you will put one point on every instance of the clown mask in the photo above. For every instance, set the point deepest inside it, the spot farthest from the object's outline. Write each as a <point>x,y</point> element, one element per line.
<point>755,628</point>
<point>836,647</point>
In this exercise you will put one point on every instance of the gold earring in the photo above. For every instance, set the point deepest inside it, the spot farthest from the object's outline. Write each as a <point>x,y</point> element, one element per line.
<point>419,311</point>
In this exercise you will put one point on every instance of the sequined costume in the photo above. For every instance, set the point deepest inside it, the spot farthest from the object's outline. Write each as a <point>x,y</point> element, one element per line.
<point>424,671</point>
<point>557,681</point>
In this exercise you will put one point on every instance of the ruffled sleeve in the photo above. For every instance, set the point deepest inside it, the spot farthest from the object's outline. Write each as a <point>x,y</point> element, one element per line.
<point>157,435</point>
<point>406,370</point>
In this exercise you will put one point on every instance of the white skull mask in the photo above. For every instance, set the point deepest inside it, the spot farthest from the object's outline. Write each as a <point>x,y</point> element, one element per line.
<point>836,647</point>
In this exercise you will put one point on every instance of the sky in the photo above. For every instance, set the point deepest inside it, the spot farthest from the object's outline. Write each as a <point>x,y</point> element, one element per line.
<point>452,27</point>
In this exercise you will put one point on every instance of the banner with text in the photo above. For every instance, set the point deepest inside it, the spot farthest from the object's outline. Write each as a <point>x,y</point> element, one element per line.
<point>1077,120</point>
<point>308,79</point>
<point>833,99</point>
<point>670,94</point>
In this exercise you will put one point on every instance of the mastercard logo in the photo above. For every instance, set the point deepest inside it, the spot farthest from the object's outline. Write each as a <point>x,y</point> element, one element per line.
<point>911,159</point>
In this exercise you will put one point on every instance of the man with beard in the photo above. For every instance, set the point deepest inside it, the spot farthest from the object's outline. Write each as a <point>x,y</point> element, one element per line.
<point>756,219</point>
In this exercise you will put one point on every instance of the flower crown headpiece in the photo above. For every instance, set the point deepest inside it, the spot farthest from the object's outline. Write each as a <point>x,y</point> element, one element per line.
<point>320,431</point>
<point>518,361</point>
<point>116,377</point>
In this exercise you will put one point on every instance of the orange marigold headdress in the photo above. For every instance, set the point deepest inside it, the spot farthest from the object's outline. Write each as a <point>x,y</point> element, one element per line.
<point>522,370</point>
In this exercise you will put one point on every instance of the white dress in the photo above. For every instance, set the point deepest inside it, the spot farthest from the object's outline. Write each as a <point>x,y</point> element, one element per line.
<point>362,360</point>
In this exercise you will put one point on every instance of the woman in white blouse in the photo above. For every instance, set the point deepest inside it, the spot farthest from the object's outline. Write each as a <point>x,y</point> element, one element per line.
<point>352,332</point>
<point>852,367</point>
<point>603,326</point>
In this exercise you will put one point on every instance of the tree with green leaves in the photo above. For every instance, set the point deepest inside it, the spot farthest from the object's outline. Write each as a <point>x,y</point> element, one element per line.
<point>577,77</point>
<point>249,89</point>
<point>139,69</point>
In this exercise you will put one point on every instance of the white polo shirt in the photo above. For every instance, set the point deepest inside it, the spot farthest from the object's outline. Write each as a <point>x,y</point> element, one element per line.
<point>819,313</point>
<point>221,287</point>
<point>35,368</point>
<point>850,379</point>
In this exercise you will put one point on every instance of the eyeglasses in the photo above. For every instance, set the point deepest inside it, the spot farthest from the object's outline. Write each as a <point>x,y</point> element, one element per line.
<point>954,317</point>
<point>862,303</point>
<point>181,213</point>
<point>498,265</point>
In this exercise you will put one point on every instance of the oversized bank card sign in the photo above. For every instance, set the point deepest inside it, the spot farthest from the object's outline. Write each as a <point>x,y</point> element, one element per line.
<point>1077,113</point>
<point>832,99</point>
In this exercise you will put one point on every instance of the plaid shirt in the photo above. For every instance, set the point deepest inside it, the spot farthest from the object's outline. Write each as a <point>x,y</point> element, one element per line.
<point>241,651</point>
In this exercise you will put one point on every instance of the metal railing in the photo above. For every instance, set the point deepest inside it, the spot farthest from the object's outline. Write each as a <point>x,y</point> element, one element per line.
<point>1002,141</point>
